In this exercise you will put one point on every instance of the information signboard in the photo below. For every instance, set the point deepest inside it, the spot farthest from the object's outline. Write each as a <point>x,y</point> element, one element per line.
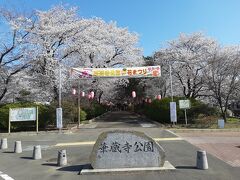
<point>184,104</point>
<point>23,114</point>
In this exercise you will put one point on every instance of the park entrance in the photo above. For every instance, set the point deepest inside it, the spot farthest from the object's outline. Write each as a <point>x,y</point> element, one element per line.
<point>94,73</point>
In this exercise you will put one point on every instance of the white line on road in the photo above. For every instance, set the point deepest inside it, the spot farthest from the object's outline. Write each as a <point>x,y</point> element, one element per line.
<point>5,176</point>
<point>84,143</point>
<point>30,148</point>
<point>147,125</point>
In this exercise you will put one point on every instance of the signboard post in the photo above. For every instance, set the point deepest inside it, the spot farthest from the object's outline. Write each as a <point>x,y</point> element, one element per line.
<point>59,118</point>
<point>23,114</point>
<point>173,112</point>
<point>185,104</point>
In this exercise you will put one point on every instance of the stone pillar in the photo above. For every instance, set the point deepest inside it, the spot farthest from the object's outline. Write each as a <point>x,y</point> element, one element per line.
<point>202,162</point>
<point>4,144</point>
<point>62,158</point>
<point>18,147</point>
<point>37,154</point>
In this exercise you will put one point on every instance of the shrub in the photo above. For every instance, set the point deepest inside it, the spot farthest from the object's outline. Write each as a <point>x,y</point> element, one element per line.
<point>83,115</point>
<point>95,110</point>
<point>70,112</point>
<point>159,110</point>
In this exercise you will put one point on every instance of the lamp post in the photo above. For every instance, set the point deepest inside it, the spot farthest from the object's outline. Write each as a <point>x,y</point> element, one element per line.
<point>59,109</point>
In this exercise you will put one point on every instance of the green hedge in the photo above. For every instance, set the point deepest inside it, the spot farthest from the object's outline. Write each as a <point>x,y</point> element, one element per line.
<point>159,110</point>
<point>47,114</point>
<point>95,110</point>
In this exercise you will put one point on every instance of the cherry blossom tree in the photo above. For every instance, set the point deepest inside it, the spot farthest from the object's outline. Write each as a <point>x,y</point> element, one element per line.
<point>60,36</point>
<point>187,56</point>
<point>14,55</point>
<point>222,76</point>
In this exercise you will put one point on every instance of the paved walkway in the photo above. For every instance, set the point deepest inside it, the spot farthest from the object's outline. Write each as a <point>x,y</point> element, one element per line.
<point>223,145</point>
<point>121,119</point>
<point>79,144</point>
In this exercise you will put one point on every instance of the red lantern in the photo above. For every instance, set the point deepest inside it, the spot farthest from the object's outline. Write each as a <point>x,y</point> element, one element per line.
<point>92,94</point>
<point>74,91</point>
<point>89,96</point>
<point>159,97</point>
<point>149,101</point>
<point>82,94</point>
<point>133,94</point>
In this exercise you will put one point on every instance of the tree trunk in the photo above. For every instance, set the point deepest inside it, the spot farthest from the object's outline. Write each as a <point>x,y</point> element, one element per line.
<point>100,96</point>
<point>3,94</point>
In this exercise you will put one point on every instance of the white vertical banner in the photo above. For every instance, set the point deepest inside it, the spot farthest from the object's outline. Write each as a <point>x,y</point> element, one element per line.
<point>59,118</point>
<point>173,111</point>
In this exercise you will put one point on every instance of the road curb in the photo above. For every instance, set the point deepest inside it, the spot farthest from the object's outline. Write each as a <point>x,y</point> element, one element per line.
<point>35,133</point>
<point>203,130</point>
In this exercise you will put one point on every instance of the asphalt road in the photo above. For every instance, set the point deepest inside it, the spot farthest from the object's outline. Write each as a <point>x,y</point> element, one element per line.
<point>178,152</point>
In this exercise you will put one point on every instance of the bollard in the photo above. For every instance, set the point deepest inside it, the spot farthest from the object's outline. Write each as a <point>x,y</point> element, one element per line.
<point>37,154</point>
<point>202,162</point>
<point>62,158</point>
<point>18,147</point>
<point>4,144</point>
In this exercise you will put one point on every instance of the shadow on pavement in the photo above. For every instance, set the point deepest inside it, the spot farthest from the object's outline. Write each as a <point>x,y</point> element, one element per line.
<point>9,152</point>
<point>27,158</point>
<point>78,168</point>
<point>186,167</point>
<point>49,164</point>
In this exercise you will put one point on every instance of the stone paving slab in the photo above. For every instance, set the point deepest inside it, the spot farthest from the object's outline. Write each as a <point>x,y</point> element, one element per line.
<point>223,145</point>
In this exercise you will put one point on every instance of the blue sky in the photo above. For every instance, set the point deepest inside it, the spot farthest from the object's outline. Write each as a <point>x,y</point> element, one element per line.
<point>156,21</point>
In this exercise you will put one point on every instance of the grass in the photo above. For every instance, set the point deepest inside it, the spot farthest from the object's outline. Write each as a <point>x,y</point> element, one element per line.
<point>233,120</point>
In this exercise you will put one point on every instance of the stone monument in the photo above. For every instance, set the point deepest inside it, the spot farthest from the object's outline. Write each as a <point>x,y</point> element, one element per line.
<point>126,149</point>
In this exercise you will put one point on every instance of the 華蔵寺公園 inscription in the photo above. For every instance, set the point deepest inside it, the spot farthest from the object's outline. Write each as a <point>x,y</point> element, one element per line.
<point>126,149</point>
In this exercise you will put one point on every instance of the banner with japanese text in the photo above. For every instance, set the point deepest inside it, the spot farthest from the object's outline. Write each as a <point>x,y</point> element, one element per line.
<point>129,72</point>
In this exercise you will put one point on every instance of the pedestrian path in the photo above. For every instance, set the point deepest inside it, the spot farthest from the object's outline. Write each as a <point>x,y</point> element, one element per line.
<point>120,119</point>
<point>223,145</point>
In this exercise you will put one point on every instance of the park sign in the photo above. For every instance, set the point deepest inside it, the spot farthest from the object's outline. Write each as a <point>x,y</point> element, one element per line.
<point>184,104</point>
<point>126,149</point>
<point>23,114</point>
<point>128,72</point>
